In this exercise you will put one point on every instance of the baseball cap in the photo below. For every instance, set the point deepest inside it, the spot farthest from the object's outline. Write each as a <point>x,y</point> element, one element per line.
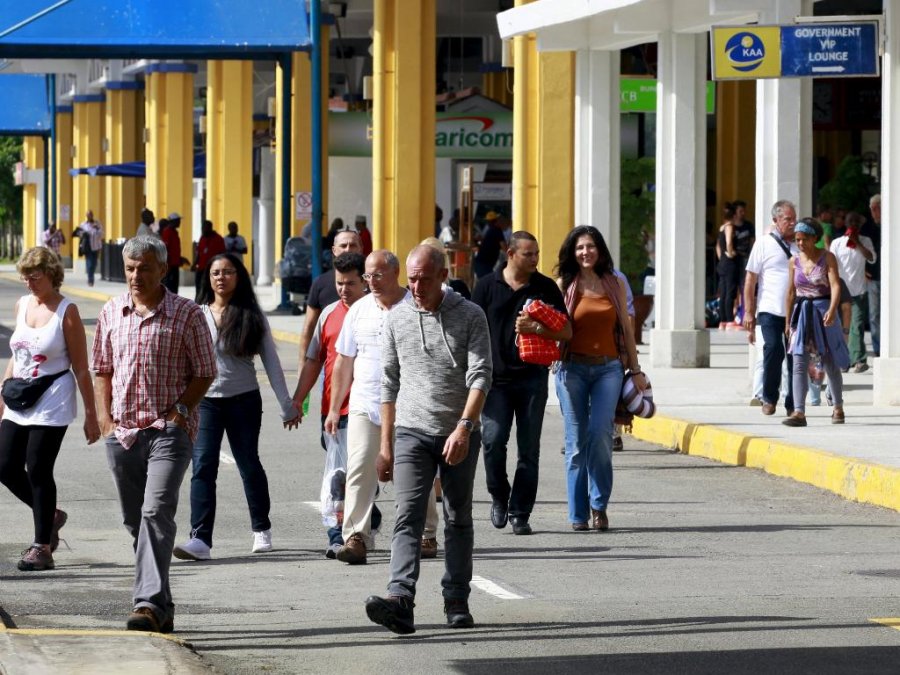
<point>174,216</point>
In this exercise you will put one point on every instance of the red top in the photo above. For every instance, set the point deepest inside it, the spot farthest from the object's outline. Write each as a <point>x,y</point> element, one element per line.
<point>172,241</point>
<point>365,237</point>
<point>209,246</point>
<point>322,347</point>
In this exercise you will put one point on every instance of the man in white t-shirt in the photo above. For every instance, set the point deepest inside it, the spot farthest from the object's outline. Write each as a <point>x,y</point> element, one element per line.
<point>359,363</point>
<point>768,269</point>
<point>853,251</point>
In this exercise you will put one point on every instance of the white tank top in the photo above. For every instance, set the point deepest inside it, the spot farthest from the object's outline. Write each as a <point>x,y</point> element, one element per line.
<point>42,351</point>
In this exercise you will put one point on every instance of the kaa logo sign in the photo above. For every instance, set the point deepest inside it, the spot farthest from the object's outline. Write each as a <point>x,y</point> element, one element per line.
<point>745,51</point>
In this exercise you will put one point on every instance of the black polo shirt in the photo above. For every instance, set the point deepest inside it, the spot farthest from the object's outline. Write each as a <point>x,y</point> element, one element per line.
<point>323,291</point>
<point>502,306</point>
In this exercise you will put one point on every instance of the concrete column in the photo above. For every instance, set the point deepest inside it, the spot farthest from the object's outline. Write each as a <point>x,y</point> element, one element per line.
<point>597,144</point>
<point>267,218</point>
<point>783,131</point>
<point>170,143</point>
<point>229,147</point>
<point>87,129</point>
<point>679,339</point>
<point>123,195</point>
<point>33,192</point>
<point>63,154</point>
<point>886,380</point>
<point>526,111</point>
<point>404,124</point>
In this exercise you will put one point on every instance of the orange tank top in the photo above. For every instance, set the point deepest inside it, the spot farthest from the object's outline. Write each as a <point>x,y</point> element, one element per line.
<point>593,332</point>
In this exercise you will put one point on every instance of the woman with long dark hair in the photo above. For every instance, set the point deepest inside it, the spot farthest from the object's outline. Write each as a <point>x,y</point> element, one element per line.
<point>233,404</point>
<point>589,378</point>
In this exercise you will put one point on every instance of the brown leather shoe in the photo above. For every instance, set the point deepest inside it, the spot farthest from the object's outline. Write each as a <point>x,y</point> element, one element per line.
<point>599,521</point>
<point>36,558</point>
<point>143,618</point>
<point>580,527</point>
<point>768,408</point>
<point>354,551</point>
<point>795,420</point>
<point>429,547</point>
<point>837,417</point>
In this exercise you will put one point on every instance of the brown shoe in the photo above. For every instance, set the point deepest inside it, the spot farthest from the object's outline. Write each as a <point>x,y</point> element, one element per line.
<point>143,618</point>
<point>795,420</point>
<point>354,551</point>
<point>599,521</point>
<point>429,547</point>
<point>837,417</point>
<point>768,408</point>
<point>580,527</point>
<point>36,559</point>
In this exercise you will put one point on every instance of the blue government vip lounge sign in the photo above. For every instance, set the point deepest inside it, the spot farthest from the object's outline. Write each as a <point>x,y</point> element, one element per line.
<point>800,50</point>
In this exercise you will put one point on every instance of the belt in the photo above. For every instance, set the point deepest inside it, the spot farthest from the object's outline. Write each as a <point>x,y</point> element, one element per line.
<point>589,360</point>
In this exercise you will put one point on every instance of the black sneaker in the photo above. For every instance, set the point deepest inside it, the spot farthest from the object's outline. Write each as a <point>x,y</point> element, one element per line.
<point>393,612</point>
<point>458,615</point>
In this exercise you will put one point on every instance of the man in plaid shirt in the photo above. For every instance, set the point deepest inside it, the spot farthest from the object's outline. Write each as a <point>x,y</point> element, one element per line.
<point>154,360</point>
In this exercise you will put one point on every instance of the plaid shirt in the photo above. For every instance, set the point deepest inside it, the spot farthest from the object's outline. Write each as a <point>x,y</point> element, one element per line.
<point>151,360</point>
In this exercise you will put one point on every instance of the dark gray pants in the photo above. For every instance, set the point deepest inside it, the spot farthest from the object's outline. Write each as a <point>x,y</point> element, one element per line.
<point>148,478</point>
<point>417,459</point>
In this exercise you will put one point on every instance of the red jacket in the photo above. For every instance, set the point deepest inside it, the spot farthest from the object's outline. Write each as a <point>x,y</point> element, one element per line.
<point>209,247</point>
<point>172,241</point>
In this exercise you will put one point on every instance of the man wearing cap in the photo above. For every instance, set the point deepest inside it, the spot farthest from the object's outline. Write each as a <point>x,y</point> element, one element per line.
<point>492,242</point>
<point>174,260</point>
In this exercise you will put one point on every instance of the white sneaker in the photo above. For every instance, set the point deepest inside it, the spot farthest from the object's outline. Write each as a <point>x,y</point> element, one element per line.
<point>194,549</point>
<point>262,541</point>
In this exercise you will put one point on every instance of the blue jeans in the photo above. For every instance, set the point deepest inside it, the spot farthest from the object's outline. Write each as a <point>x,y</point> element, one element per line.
<point>417,459</point>
<point>873,288</point>
<point>90,263</point>
<point>526,399</point>
<point>241,418</point>
<point>774,353</point>
<point>587,397</point>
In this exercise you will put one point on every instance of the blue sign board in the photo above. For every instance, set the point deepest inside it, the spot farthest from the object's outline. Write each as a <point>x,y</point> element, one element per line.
<point>24,105</point>
<point>829,50</point>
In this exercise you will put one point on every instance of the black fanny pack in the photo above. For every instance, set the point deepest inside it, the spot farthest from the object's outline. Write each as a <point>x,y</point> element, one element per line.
<point>20,393</point>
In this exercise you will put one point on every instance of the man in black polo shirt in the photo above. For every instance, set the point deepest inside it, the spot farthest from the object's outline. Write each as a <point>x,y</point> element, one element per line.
<point>519,389</point>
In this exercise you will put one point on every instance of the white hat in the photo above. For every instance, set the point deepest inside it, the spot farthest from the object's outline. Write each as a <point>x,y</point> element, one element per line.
<point>174,216</point>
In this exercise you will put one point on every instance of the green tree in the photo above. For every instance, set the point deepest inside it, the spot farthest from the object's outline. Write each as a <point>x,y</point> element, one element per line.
<point>636,213</point>
<point>850,188</point>
<point>10,194</point>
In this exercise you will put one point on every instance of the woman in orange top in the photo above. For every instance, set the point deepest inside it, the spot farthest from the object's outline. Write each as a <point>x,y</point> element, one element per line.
<point>589,379</point>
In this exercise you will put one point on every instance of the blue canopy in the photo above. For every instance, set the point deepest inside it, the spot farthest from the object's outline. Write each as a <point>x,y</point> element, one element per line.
<point>151,28</point>
<point>24,105</point>
<point>133,169</point>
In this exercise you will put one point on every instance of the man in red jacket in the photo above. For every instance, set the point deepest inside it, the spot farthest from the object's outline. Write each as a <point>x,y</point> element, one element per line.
<point>210,245</point>
<point>168,232</point>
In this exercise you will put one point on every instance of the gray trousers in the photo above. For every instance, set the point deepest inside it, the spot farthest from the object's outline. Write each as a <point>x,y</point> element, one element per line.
<point>148,478</point>
<point>417,459</point>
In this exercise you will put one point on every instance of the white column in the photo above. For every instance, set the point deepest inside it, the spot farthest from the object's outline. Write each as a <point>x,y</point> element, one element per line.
<point>679,339</point>
<point>886,379</point>
<point>266,203</point>
<point>597,144</point>
<point>783,131</point>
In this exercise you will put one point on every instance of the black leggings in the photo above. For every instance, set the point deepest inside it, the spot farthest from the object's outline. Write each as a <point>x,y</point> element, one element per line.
<point>27,456</point>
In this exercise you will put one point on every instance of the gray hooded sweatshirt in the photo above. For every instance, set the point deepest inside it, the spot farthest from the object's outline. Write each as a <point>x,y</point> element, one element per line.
<point>432,359</point>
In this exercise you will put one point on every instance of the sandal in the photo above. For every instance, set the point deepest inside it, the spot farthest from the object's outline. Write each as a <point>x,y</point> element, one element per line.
<point>837,417</point>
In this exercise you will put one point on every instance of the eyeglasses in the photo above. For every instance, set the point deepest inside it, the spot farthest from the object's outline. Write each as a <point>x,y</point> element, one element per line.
<point>373,276</point>
<point>228,272</point>
<point>31,276</point>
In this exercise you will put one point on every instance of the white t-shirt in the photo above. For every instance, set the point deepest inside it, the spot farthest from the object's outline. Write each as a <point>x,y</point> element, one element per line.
<point>852,263</point>
<point>42,351</point>
<point>769,261</point>
<point>361,338</point>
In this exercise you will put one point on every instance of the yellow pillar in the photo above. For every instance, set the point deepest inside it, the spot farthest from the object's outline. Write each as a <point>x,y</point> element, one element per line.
<point>33,156</point>
<point>404,124</point>
<point>87,130</point>
<point>497,84</point>
<point>123,195</point>
<point>735,146</point>
<point>543,144</point>
<point>229,145</point>
<point>63,155</point>
<point>170,142</point>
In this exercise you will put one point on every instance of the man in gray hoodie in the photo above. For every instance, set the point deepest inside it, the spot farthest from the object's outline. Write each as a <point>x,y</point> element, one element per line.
<point>436,356</point>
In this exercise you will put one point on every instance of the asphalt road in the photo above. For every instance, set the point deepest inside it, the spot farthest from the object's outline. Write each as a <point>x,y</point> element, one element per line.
<point>707,569</point>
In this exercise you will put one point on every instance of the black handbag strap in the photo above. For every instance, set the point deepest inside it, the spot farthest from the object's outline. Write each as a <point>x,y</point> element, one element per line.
<point>784,247</point>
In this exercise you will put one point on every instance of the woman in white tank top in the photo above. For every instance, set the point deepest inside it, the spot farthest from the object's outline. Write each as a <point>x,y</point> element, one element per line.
<point>49,339</point>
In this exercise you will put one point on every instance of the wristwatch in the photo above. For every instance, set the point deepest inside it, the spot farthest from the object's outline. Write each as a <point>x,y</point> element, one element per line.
<point>466,424</point>
<point>181,409</point>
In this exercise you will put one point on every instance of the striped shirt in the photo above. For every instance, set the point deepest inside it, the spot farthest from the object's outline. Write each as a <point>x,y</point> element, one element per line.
<point>151,360</point>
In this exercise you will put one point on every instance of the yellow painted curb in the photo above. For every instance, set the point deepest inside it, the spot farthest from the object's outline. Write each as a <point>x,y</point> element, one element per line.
<point>890,623</point>
<point>73,632</point>
<point>849,478</point>
<point>285,336</point>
